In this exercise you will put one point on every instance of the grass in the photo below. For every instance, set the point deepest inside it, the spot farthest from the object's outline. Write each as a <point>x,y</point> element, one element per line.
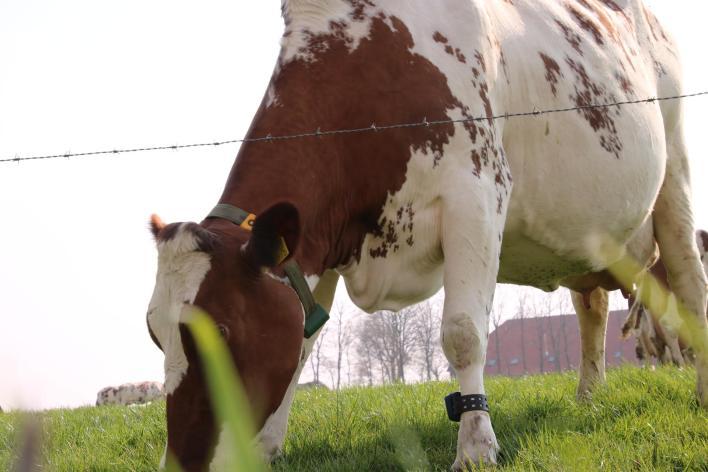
<point>642,420</point>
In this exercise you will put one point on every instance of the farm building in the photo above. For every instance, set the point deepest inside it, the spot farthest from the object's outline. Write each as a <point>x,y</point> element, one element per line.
<point>550,344</point>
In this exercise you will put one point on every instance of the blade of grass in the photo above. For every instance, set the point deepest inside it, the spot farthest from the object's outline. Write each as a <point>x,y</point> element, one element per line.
<point>227,395</point>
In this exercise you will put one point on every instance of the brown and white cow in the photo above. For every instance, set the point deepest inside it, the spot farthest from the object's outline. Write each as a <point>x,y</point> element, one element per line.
<point>657,334</point>
<point>130,394</point>
<point>400,213</point>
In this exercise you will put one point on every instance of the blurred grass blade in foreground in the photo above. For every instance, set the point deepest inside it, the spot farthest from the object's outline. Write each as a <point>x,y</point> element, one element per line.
<point>409,451</point>
<point>29,458</point>
<point>227,395</point>
<point>690,331</point>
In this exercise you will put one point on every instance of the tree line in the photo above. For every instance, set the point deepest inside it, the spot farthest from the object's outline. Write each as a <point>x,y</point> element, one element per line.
<point>404,346</point>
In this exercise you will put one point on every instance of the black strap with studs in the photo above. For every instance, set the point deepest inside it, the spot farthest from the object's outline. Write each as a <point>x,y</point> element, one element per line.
<point>456,404</point>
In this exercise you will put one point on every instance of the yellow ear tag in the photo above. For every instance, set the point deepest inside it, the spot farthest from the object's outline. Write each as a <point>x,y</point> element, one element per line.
<point>283,252</point>
<point>247,224</point>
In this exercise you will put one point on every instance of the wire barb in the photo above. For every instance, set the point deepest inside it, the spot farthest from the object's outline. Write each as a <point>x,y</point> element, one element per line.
<point>319,134</point>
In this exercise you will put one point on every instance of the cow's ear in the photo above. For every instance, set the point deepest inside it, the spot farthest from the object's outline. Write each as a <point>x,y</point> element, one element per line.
<point>156,225</point>
<point>276,234</point>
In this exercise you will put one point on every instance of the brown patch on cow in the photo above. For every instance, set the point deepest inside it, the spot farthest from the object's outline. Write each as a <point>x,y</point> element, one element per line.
<point>553,72</point>
<point>459,56</point>
<point>571,36</point>
<point>602,17</point>
<point>438,37</point>
<point>587,93</point>
<point>607,23</point>
<point>613,6</point>
<point>477,161</point>
<point>625,84</point>
<point>480,60</point>
<point>586,24</point>
<point>359,7</point>
<point>654,25</point>
<point>387,232</point>
<point>502,59</point>
<point>366,74</point>
<point>483,94</point>
<point>392,231</point>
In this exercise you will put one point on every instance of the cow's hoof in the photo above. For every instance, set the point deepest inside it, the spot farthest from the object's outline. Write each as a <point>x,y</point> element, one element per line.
<point>476,442</point>
<point>271,453</point>
<point>583,395</point>
<point>702,385</point>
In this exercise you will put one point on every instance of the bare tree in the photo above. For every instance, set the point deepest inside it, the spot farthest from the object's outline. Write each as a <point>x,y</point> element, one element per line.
<point>426,329</point>
<point>496,318</point>
<point>523,312</point>
<point>343,338</point>
<point>365,364</point>
<point>317,356</point>
<point>549,312</point>
<point>388,337</point>
<point>564,307</point>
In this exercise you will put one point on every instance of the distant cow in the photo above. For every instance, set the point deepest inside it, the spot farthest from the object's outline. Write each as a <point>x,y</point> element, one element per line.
<point>657,333</point>
<point>311,385</point>
<point>130,393</point>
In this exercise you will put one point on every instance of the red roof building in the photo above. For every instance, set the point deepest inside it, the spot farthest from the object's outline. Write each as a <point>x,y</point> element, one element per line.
<point>550,344</point>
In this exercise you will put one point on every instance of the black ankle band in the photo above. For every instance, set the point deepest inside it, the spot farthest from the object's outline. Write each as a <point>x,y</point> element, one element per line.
<point>456,404</point>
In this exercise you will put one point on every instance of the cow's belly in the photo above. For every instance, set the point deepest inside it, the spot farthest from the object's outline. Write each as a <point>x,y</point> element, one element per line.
<point>573,200</point>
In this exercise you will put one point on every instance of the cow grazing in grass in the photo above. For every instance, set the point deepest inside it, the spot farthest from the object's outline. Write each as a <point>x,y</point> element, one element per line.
<point>657,334</point>
<point>130,393</point>
<point>400,213</point>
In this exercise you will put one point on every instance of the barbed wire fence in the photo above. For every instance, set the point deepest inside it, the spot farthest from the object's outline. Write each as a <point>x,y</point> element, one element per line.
<point>319,133</point>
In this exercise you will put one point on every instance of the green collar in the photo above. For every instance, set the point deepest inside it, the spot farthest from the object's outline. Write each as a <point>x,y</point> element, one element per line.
<point>315,315</point>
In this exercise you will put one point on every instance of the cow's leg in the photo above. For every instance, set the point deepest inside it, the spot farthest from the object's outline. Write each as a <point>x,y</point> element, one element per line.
<point>272,437</point>
<point>672,345</point>
<point>593,326</point>
<point>673,226</point>
<point>471,240</point>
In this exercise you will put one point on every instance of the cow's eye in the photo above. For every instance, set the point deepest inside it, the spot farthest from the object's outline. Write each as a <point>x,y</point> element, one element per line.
<point>223,331</point>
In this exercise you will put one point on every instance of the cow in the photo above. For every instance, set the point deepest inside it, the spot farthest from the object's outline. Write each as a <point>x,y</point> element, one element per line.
<point>400,212</point>
<point>130,393</point>
<point>657,334</point>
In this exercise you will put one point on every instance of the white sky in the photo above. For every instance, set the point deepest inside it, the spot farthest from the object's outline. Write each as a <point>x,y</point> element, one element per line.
<point>77,263</point>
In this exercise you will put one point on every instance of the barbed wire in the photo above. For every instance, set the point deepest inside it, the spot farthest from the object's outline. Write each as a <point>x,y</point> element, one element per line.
<point>372,128</point>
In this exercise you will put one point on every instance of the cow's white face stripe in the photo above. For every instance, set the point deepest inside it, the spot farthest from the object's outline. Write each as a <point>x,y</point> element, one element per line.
<point>181,270</point>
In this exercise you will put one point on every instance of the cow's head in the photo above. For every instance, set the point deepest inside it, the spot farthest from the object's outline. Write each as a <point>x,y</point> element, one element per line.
<point>231,273</point>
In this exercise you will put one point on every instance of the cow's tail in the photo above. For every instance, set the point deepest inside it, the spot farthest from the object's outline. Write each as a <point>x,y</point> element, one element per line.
<point>631,323</point>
